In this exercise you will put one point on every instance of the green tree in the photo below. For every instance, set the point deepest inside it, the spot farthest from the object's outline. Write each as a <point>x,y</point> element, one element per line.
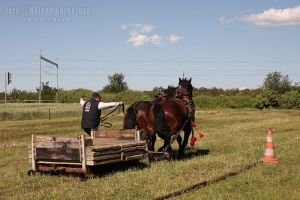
<point>116,83</point>
<point>48,92</point>
<point>277,82</point>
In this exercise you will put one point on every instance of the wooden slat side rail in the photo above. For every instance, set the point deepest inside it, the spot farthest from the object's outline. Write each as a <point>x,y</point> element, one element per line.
<point>105,157</point>
<point>59,162</point>
<point>116,133</point>
<point>101,153</point>
<point>58,145</point>
<point>40,138</point>
<point>99,148</point>
<point>83,154</point>
<point>136,157</point>
<point>68,154</point>
<point>33,155</point>
<point>102,162</point>
<point>51,148</point>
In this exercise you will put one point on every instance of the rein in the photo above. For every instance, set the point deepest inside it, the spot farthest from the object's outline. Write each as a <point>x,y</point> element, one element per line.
<point>108,115</point>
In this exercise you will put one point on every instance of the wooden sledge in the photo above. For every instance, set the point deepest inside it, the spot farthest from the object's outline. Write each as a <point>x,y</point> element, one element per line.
<point>80,154</point>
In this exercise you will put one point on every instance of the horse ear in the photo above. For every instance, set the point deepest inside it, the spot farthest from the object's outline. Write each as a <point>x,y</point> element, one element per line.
<point>190,80</point>
<point>179,79</point>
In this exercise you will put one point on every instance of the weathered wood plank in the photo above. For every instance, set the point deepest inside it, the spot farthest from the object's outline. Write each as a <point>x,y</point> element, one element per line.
<point>100,153</point>
<point>57,154</point>
<point>103,148</point>
<point>91,163</point>
<point>64,145</point>
<point>104,157</point>
<point>39,138</point>
<point>59,162</point>
<point>132,144</point>
<point>135,157</point>
<point>133,148</point>
<point>132,153</point>
<point>116,133</point>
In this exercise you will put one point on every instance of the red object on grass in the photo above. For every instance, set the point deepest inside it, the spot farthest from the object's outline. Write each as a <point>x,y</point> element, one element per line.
<point>193,124</point>
<point>193,140</point>
<point>201,135</point>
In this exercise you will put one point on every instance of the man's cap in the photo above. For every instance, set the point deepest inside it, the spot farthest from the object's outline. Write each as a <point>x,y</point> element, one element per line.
<point>95,95</point>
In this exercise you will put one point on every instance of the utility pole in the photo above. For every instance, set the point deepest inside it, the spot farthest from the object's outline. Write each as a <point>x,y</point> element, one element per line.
<point>5,88</point>
<point>7,81</point>
<point>57,80</point>
<point>52,63</point>
<point>40,90</point>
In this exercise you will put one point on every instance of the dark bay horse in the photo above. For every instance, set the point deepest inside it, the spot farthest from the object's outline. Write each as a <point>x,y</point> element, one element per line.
<point>169,117</point>
<point>137,113</point>
<point>137,116</point>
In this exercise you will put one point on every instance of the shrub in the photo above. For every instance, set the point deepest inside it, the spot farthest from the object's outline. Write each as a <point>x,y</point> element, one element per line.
<point>290,99</point>
<point>267,99</point>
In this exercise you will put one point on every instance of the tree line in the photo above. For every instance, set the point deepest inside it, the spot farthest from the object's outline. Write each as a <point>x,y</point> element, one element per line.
<point>277,91</point>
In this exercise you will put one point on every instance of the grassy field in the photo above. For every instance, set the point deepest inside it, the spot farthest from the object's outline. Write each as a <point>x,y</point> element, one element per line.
<point>233,139</point>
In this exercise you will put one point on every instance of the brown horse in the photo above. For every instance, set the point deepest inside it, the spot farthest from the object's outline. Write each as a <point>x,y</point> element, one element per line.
<point>137,117</point>
<point>169,117</point>
<point>137,113</point>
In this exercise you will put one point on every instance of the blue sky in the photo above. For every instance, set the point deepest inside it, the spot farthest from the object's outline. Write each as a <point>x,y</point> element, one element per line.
<point>227,44</point>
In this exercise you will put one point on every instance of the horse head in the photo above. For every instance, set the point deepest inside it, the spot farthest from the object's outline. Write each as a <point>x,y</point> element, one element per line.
<point>185,86</point>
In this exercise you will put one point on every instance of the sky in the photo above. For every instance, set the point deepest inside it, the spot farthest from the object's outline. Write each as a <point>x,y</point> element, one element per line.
<point>224,44</point>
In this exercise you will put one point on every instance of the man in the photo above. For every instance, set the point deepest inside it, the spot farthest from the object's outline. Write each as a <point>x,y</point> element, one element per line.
<point>91,112</point>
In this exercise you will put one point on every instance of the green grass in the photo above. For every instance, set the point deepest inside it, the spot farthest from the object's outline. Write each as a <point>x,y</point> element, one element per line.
<point>233,139</point>
<point>26,111</point>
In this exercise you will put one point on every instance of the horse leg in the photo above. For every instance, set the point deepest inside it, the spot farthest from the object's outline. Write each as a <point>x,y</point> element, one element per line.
<point>151,138</point>
<point>179,141</point>
<point>143,134</point>
<point>163,146</point>
<point>187,132</point>
<point>168,149</point>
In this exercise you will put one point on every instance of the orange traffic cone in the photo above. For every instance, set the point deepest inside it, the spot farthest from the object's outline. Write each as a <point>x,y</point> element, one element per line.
<point>269,155</point>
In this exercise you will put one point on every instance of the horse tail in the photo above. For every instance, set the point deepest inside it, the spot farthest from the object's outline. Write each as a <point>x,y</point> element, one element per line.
<point>130,117</point>
<point>160,121</point>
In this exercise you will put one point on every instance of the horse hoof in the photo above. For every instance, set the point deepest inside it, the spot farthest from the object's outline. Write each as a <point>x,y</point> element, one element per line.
<point>151,159</point>
<point>31,173</point>
<point>168,156</point>
<point>180,153</point>
<point>161,149</point>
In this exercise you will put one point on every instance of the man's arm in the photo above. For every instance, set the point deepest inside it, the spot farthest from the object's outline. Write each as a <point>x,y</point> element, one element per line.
<point>81,102</point>
<point>103,105</point>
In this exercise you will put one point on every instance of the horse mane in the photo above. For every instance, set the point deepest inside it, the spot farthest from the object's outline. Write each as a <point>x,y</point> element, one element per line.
<point>168,93</point>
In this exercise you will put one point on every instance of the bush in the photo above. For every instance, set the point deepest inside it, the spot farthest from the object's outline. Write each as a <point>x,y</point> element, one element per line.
<point>267,99</point>
<point>290,99</point>
<point>203,101</point>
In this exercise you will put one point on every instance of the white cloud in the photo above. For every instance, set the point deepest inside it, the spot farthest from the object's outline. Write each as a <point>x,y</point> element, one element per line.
<point>270,17</point>
<point>140,34</point>
<point>173,39</point>
<point>138,40</point>
<point>225,20</point>
<point>146,28</point>
<point>156,40</point>
<point>275,17</point>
